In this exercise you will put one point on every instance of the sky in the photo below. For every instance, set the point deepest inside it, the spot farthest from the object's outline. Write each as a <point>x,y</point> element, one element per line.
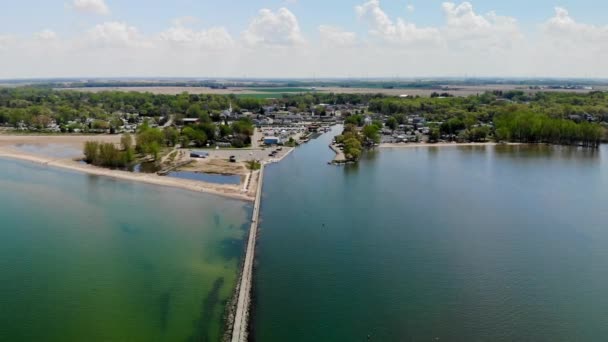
<point>303,38</point>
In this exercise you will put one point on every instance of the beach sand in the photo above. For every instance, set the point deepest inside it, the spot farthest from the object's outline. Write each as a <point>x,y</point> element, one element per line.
<point>75,141</point>
<point>9,148</point>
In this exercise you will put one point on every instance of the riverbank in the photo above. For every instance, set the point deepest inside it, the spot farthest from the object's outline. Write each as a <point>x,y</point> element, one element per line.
<point>229,191</point>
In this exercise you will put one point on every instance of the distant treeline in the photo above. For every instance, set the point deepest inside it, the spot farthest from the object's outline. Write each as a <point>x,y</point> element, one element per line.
<point>484,106</point>
<point>557,118</point>
<point>387,83</point>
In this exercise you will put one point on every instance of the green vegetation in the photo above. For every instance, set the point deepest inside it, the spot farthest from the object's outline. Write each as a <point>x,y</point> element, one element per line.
<point>354,139</point>
<point>254,165</point>
<point>531,127</point>
<point>281,90</point>
<point>291,142</point>
<point>255,96</point>
<point>242,131</point>
<point>557,118</point>
<point>108,155</point>
<point>351,142</point>
<point>149,140</point>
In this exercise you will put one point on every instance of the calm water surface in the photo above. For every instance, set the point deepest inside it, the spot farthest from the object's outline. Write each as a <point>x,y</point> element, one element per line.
<point>50,150</point>
<point>85,258</point>
<point>207,177</point>
<point>425,244</point>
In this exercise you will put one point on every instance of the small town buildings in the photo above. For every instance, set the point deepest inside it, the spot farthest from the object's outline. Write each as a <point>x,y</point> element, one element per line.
<point>272,141</point>
<point>190,121</point>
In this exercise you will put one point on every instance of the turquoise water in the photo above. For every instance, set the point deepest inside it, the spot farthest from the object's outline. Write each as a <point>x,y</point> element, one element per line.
<point>85,258</point>
<point>434,244</point>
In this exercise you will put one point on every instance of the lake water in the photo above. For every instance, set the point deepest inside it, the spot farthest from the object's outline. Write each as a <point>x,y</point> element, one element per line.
<point>50,150</point>
<point>207,177</point>
<point>85,258</point>
<point>434,244</point>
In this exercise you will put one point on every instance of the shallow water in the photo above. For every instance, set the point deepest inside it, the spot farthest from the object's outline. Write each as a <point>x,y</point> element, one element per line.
<point>86,258</point>
<point>50,150</point>
<point>206,177</point>
<point>505,243</point>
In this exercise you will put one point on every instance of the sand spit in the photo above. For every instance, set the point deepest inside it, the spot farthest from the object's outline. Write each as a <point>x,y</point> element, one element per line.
<point>231,191</point>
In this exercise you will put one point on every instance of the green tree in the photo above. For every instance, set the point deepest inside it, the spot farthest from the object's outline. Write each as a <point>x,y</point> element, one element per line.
<point>370,132</point>
<point>126,141</point>
<point>434,135</point>
<point>91,151</point>
<point>171,136</point>
<point>146,138</point>
<point>392,123</point>
<point>196,136</point>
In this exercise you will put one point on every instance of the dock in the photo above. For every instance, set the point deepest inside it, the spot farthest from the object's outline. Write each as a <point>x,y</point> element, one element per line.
<point>241,317</point>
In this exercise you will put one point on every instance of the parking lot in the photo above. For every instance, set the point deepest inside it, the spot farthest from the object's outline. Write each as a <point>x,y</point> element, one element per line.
<point>242,155</point>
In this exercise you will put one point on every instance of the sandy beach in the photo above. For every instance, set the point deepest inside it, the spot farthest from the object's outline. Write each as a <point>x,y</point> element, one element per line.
<point>11,147</point>
<point>197,186</point>
<point>76,141</point>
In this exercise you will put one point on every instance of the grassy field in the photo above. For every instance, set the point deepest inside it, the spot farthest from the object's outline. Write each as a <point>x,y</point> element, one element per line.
<point>260,96</point>
<point>281,90</point>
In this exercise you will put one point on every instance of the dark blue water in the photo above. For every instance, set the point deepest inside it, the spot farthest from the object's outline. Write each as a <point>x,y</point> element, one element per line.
<point>505,243</point>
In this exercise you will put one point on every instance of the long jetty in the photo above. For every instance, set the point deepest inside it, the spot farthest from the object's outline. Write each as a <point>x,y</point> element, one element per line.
<point>241,317</point>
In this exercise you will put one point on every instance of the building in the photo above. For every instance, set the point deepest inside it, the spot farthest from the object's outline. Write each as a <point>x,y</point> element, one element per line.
<point>272,141</point>
<point>197,154</point>
<point>190,121</point>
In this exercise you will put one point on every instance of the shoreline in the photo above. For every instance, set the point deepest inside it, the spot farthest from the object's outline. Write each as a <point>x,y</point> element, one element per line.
<point>153,179</point>
<point>406,145</point>
<point>339,158</point>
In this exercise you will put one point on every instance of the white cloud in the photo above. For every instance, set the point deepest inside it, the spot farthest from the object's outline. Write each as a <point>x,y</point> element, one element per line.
<point>467,42</point>
<point>213,38</point>
<point>115,34</point>
<point>563,27</point>
<point>6,41</point>
<point>410,8</point>
<point>335,36</point>
<point>91,6</point>
<point>280,28</point>
<point>402,31</point>
<point>464,27</point>
<point>46,35</point>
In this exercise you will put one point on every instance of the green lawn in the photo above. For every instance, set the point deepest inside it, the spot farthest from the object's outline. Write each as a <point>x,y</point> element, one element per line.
<point>258,96</point>
<point>281,90</point>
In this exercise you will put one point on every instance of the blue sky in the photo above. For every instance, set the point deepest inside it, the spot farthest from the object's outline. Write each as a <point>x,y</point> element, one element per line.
<point>297,38</point>
<point>29,16</point>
